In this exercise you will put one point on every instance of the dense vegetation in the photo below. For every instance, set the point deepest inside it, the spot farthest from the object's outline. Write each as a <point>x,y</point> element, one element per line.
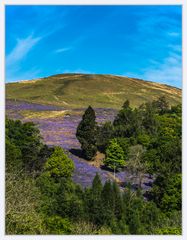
<point>143,140</point>
<point>41,197</point>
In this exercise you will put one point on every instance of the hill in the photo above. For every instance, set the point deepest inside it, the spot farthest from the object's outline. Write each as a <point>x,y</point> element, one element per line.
<point>81,90</point>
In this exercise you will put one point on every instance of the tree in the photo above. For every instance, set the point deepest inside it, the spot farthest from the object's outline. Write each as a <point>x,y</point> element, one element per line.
<point>23,200</point>
<point>166,192</point>
<point>124,144</point>
<point>94,203</point>
<point>26,137</point>
<point>13,156</point>
<point>59,165</point>
<point>107,197</point>
<point>87,133</point>
<point>149,121</point>
<point>56,184</point>
<point>105,134</point>
<point>135,164</point>
<point>58,225</point>
<point>114,156</point>
<point>161,105</point>
<point>128,121</point>
<point>118,203</point>
<point>134,216</point>
<point>123,121</point>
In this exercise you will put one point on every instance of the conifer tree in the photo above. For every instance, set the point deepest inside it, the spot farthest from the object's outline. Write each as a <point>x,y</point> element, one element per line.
<point>107,197</point>
<point>59,164</point>
<point>87,133</point>
<point>114,156</point>
<point>95,201</point>
<point>118,204</point>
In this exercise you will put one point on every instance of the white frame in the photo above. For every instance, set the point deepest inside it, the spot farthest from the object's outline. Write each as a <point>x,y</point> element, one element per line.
<point>2,114</point>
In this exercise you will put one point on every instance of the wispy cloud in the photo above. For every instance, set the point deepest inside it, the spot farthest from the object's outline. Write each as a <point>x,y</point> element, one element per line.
<point>168,72</point>
<point>60,50</point>
<point>78,70</point>
<point>39,27</point>
<point>14,59</point>
<point>160,30</point>
<point>22,48</point>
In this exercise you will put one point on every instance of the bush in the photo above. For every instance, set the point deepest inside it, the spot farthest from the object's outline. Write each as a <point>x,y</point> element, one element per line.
<point>58,225</point>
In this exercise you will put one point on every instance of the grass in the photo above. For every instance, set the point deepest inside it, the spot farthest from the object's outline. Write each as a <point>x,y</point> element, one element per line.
<point>43,114</point>
<point>81,90</point>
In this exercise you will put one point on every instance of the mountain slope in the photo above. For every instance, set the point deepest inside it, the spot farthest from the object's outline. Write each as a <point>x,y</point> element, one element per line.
<point>81,90</point>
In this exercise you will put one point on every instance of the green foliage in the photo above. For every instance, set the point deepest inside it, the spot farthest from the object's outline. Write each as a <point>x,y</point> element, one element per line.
<point>166,192</point>
<point>118,204</point>
<point>88,228</point>
<point>161,105</point>
<point>169,231</point>
<point>59,165</point>
<point>135,164</point>
<point>13,156</point>
<point>149,121</point>
<point>124,123</point>
<point>144,139</point>
<point>22,202</point>
<point>58,225</point>
<point>94,201</point>
<point>124,144</point>
<point>105,134</point>
<point>56,184</point>
<point>87,133</point>
<point>148,140</point>
<point>26,140</point>
<point>107,198</point>
<point>114,155</point>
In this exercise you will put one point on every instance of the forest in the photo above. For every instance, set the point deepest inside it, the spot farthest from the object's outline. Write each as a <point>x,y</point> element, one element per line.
<point>42,198</point>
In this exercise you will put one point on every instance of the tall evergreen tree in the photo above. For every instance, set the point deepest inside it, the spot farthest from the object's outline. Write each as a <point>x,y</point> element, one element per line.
<point>87,133</point>
<point>107,197</point>
<point>114,156</point>
<point>105,134</point>
<point>95,201</point>
<point>118,203</point>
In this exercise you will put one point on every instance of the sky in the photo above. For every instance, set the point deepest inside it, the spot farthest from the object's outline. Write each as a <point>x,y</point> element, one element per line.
<point>136,41</point>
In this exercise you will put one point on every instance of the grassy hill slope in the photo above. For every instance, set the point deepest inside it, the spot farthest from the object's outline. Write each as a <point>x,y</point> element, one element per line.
<point>81,90</point>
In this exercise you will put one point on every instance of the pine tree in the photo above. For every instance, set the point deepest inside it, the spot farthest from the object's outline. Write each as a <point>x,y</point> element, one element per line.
<point>107,198</point>
<point>59,165</point>
<point>87,133</point>
<point>114,156</point>
<point>95,201</point>
<point>118,204</point>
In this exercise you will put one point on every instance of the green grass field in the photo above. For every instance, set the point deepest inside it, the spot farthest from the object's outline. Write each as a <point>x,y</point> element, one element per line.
<point>81,90</point>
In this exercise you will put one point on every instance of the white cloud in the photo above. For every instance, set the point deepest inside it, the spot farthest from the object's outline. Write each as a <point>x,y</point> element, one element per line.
<point>78,70</point>
<point>22,48</point>
<point>168,72</point>
<point>60,50</point>
<point>174,34</point>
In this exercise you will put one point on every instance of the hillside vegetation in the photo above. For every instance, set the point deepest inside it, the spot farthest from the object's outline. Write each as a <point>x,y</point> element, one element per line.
<point>81,90</point>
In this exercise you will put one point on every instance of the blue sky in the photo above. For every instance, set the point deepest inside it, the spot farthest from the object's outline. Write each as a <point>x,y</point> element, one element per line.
<point>135,41</point>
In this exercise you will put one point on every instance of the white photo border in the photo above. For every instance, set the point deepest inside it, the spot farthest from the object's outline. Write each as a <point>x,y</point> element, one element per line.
<point>4,3</point>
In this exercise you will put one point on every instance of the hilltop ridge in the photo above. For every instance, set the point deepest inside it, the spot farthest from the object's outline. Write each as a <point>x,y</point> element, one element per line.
<point>99,90</point>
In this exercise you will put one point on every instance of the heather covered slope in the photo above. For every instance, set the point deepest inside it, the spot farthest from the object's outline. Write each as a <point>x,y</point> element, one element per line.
<point>81,90</point>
